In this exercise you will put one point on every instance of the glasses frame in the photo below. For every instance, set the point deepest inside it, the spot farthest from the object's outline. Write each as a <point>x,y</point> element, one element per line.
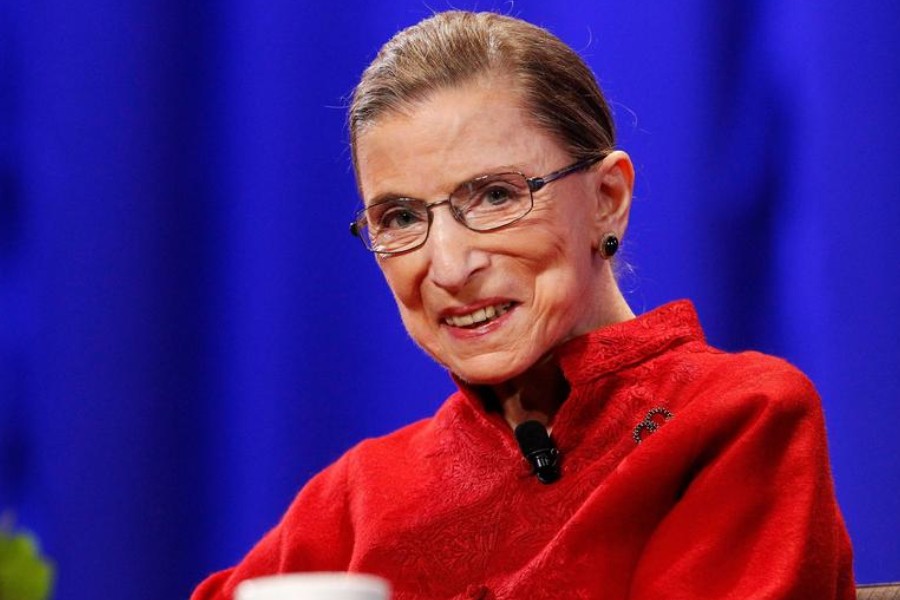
<point>534,184</point>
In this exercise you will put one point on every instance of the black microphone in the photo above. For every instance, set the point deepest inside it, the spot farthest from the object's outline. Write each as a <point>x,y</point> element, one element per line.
<point>538,449</point>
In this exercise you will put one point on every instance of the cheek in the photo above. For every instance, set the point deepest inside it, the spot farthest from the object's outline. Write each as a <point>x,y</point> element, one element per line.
<point>563,245</point>
<point>403,278</point>
<point>563,273</point>
<point>404,281</point>
<point>396,274</point>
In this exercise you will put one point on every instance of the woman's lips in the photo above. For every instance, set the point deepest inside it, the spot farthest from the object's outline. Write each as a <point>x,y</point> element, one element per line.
<point>477,317</point>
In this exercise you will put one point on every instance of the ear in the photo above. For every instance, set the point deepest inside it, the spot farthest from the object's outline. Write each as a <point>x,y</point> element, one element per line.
<point>613,187</point>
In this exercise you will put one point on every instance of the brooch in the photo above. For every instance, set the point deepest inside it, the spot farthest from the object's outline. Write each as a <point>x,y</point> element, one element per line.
<point>651,423</point>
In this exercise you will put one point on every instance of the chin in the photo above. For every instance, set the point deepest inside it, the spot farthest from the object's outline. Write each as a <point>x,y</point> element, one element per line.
<point>483,370</point>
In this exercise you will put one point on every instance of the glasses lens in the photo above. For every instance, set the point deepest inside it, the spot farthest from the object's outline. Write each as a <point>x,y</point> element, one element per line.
<point>394,225</point>
<point>492,201</point>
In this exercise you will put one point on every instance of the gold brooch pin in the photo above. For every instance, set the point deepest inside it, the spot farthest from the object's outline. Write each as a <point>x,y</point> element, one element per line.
<point>651,422</point>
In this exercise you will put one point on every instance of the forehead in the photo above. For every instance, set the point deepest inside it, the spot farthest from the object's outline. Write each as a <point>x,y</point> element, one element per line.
<point>453,135</point>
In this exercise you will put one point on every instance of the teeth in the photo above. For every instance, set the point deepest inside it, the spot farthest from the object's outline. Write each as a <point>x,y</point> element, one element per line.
<point>482,315</point>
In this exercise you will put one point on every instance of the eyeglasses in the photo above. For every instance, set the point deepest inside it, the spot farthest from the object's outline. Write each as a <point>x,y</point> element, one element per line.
<point>485,203</point>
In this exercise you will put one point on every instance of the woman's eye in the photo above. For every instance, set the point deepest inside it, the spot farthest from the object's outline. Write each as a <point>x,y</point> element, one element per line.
<point>496,196</point>
<point>398,218</point>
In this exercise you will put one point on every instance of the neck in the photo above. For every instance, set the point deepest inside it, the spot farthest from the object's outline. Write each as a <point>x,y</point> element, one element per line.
<point>538,393</point>
<point>535,395</point>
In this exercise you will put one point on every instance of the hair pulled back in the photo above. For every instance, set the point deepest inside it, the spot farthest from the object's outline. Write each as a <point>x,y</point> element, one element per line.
<point>454,47</point>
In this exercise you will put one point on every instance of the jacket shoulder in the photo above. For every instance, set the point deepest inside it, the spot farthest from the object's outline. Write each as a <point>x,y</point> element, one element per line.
<point>750,378</point>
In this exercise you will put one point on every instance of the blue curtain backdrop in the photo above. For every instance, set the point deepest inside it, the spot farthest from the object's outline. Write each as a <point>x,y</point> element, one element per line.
<point>187,332</point>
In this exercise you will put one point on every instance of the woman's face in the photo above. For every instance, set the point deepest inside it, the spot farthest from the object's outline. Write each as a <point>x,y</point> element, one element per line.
<point>528,286</point>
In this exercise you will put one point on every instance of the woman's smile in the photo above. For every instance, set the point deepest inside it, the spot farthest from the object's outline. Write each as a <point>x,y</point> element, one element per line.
<point>471,324</point>
<point>469,317</point>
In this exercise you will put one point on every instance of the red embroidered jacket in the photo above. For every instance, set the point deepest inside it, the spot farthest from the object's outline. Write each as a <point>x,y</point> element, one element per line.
<point>727,495</point>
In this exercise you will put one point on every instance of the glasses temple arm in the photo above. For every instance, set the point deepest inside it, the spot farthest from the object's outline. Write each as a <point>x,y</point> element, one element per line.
<point>536,183</point>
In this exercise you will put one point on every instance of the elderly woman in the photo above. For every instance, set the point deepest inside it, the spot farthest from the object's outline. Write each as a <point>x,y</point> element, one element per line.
<point>495,201</point>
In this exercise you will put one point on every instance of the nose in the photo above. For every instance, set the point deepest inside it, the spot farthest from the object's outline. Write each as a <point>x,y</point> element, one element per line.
<point>453,251</point>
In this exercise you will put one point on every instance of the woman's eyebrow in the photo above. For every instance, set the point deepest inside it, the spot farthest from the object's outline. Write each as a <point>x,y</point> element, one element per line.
<point>388,196</point>
<point>493,171</point>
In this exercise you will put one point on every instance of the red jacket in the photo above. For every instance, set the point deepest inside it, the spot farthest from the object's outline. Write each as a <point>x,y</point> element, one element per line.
<point>727,495</point>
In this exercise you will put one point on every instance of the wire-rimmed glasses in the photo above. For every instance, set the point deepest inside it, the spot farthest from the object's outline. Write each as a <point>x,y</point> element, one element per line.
<point>486,203</point>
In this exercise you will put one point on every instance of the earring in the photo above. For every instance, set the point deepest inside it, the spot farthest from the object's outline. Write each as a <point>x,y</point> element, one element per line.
<point>609,245</point>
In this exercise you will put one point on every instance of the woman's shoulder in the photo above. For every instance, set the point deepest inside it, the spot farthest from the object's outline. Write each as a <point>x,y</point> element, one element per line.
<point>748,381</point>
<point>399,440</point>
<point>750,368</point>
<point>719,363</point>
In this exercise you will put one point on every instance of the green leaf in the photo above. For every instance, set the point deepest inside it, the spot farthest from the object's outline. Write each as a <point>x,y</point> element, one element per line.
<point>24,573</point>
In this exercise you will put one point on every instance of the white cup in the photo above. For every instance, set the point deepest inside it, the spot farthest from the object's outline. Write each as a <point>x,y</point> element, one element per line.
<point>315,586</point>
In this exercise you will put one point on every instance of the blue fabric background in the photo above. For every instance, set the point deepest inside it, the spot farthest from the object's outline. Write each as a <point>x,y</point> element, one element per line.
<point>187,332</point>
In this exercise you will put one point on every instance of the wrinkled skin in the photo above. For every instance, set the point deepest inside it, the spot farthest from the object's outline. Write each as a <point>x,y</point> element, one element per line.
<point>546,264</point>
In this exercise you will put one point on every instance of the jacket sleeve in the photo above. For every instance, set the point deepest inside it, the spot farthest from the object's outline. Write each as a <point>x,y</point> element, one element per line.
<point>757,519</point>
<point>314,535</point>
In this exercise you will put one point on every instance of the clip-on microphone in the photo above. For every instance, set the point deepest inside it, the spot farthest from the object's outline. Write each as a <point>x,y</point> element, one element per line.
<point>538,449</point>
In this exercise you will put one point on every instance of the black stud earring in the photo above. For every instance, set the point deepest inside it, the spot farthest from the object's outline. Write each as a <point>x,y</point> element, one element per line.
<point>609,245</point>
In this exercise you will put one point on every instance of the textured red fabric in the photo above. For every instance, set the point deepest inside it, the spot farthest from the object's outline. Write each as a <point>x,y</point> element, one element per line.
<point>728,495</point>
